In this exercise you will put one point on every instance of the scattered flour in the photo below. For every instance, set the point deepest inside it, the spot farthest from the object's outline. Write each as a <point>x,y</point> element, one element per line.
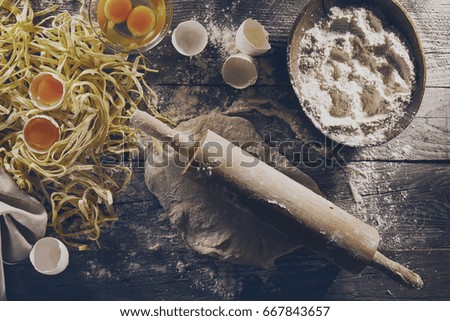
<point>400,150</point>
<point>223,38</point>
<point>184,102</point>
<point>132,267</point>
<point>181,267</point>
<point>97,272</point>
<point>378,211</point>
<point>356,77</point>
<point>221,32</point>
<point>397,149</point>
<point>219,283</point>
<point>158,268</point>
<point>356,196</point>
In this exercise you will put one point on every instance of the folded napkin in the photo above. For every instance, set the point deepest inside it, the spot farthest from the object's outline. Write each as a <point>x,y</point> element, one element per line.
<point>23,221</point>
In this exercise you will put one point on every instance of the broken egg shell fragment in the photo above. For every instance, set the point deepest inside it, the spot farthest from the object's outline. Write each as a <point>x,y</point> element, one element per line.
<point>189,38</point>
<point>240,71</point>
<point>252,39</point>
<point>47,134</point>
<point>49,256</point>
<point>33,91</point>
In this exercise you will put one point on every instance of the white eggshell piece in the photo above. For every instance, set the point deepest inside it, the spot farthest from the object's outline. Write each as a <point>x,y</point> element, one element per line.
<point>49,256</point>
<point>189,38</point>
<point>252,39</point>
<point>240,71</point>
<point>36,101</point>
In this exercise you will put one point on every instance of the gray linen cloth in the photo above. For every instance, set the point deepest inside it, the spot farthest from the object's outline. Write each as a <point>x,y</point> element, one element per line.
<point>23,221</point>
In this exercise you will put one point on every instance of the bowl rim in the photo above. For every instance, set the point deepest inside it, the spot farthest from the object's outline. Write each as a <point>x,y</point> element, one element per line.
<point>148,46</point>
<point>419,88</point>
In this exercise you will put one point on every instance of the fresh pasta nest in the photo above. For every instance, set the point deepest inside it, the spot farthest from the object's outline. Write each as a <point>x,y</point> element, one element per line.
<point>79,175</point>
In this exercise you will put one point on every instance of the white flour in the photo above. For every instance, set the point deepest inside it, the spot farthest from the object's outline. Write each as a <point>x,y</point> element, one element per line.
<point>221,31</point>
<point>356,77</point>
<point>373,204</point>
<point>223,38</point>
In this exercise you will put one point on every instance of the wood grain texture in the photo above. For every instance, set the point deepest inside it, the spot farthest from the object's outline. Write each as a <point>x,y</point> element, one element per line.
<point>401,188</point>
<point>433,27</point>
<point>141,257</point>
<point>205,69</point>
<point>374,287</point>
<point>395,198</point>
<point>181,275</point>
<point>427,137</point>
<point>433,30</point>
<point>278,17</point>
<point>438,70</point>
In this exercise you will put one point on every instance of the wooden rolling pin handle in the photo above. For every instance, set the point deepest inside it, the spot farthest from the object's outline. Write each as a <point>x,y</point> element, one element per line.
<point>150,125</point>
<point>396,271</point>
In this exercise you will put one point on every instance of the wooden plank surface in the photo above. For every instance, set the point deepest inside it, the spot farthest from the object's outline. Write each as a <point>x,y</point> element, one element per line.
<point>427,138</point>
<point>402,188</point>
<point>173,275</point>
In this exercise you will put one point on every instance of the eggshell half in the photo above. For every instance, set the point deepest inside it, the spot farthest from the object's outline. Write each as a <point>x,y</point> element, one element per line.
<point>189,38</point>
<point>32,92</point>
<point>49,256</point>
<point>52,121</point>
<point>240,71</point>
<point>252,39</point>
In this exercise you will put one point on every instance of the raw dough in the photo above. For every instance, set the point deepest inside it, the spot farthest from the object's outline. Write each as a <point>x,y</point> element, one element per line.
<point>206,222</point>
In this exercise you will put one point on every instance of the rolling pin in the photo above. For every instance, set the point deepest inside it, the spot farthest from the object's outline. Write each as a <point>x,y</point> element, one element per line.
<point>290,207</point>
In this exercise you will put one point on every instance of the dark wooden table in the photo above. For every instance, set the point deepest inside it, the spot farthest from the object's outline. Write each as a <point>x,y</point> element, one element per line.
<point>402,188</point>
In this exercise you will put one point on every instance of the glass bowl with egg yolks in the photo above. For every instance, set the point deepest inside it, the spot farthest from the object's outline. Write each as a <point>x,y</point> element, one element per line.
<point>130,26</point>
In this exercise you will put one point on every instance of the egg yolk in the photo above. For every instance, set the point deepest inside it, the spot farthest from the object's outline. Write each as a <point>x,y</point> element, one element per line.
<point>101,17</point>
<point>49,90</point>
<point>40,134</point>
<point>141,21</point>
<point>117,10</point>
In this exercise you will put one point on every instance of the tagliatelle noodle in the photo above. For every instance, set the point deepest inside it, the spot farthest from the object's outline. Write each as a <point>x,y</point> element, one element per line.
<point>103,90</point>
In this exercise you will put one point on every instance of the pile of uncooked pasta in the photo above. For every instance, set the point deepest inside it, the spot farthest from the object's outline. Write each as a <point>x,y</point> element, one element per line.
<point>79,176</point>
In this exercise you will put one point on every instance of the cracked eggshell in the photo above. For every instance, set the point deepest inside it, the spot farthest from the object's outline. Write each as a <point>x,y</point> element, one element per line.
<point>189,38</point>
<point>252,39</point>
<point>51,122</point>
<point>33,91</point>
<point>240,71</point>
<point>49,256</point>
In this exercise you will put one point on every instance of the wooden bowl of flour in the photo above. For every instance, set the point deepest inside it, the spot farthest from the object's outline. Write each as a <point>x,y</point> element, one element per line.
<point>393,17</point>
